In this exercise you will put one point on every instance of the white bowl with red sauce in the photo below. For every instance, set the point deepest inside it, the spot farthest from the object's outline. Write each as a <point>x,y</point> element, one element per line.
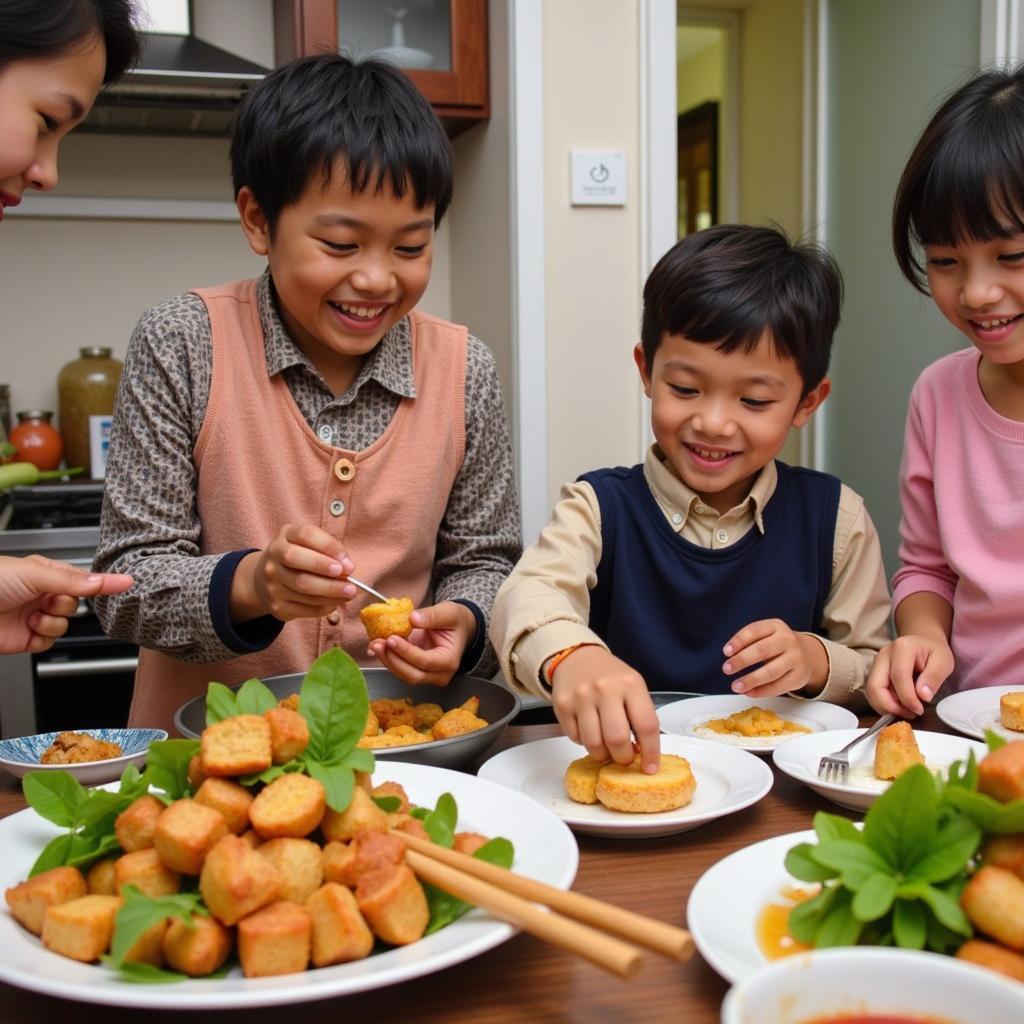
<point>873,985</point>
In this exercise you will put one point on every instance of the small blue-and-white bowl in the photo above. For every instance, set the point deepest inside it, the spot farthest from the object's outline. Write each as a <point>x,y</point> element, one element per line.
<point>22,754</point>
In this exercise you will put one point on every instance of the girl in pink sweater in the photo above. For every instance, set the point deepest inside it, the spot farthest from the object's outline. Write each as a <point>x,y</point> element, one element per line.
<point>958,232</point>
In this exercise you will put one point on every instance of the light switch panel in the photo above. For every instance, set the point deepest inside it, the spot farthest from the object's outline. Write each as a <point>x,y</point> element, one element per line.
<point>598,177</point>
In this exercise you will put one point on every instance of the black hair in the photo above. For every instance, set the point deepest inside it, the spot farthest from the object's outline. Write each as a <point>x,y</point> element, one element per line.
<point>304,115</point>
<point>965,177</point>
<point>731,284</point>
<point>44,28</point>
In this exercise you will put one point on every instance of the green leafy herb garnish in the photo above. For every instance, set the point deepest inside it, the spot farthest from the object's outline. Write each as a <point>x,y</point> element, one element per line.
<point>445,908</point>
<point>167,767</point>
<point>899,878</point>
<point>87,814</point>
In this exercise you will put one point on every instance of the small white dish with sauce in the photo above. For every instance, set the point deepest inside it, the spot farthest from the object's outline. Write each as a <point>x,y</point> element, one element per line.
<point>896,985</point>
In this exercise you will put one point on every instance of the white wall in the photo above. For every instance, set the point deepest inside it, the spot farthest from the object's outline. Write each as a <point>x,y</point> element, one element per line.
<point>592,101</point>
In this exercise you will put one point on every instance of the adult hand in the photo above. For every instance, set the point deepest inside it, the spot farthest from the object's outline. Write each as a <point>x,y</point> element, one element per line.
<point>908,672</point>
<point>603,704</point>
<point>38,594</point>
<point>298,575</point>
<point>433,650</point>
<point>786,660</point>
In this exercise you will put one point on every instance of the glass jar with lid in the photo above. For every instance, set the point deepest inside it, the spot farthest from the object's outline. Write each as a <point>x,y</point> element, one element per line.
<point>36,439</point>
<point>86,387</point>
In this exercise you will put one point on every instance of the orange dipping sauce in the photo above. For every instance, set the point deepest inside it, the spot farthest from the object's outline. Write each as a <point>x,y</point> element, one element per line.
<point>773,936</point>
<point>874,1018</point>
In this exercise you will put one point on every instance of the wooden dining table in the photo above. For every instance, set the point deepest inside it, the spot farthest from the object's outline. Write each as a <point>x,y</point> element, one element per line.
<point>525,980</point>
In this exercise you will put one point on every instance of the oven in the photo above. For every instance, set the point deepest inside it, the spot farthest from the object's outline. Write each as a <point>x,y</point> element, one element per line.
<point>85,679</point>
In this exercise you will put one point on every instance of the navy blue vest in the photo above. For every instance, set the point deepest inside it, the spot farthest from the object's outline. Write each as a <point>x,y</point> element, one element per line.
<point>666,606</point>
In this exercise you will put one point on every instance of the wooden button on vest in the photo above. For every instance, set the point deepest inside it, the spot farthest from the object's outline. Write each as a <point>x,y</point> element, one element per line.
<point>344,470</point>
<point>334,617</point>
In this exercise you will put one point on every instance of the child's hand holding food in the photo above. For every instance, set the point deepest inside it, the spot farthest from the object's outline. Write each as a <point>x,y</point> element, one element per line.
<point>787,661</point>
<point>298,575</point>
<point>602,703</point>
<point>432,651</point>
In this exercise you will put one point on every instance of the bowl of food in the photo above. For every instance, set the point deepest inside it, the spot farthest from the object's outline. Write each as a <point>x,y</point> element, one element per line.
<point>899,986</point>
<point>93,756</point>
<point>481,707</point>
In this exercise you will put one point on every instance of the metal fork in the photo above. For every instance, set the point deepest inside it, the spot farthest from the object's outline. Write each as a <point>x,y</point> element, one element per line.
<point>367,588</point>
<point>835,767</point>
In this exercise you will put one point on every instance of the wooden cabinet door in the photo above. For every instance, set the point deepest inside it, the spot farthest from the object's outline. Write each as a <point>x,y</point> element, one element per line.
<point>460,96</point>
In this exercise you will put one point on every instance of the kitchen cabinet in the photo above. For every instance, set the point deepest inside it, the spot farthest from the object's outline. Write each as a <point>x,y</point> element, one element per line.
<point>457,84</point>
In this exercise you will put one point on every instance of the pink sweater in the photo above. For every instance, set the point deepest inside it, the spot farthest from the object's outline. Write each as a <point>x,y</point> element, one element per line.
<point>962,531</point>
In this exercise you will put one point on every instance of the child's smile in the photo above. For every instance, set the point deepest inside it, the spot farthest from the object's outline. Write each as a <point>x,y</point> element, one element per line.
<point>719,418</point>
<point>346,266</point>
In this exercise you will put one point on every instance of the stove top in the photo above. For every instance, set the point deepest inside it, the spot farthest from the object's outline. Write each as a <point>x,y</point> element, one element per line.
<point>63,503</point>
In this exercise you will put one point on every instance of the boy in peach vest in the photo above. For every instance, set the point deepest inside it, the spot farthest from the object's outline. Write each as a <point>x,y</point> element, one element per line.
<point>274,436</point>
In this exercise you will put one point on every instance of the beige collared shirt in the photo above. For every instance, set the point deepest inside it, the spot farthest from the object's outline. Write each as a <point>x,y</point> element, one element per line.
<point>544,606</point>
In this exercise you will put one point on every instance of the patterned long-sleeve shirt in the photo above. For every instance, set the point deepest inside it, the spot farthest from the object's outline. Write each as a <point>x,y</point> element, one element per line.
<point>150,525</point>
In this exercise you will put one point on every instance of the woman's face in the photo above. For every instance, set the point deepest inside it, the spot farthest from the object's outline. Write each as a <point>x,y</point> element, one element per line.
<point>41,100</point>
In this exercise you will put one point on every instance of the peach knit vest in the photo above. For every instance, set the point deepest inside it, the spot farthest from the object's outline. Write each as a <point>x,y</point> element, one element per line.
<point>260,466</point>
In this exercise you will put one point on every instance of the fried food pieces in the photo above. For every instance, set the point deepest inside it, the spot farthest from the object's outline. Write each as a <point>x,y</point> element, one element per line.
<point>1011,710</point>
<point>397,722</point>
<point>387,618</point>
<point>626,788</point>
<point>896,750</point>
<point>754,721</point>
<point>78,748</point>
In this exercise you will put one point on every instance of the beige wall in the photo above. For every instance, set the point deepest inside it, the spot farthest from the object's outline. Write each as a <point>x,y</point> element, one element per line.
<point>699,79</point>
<point>771,104</point>
<point>592,271</point>
<point>72,282</point>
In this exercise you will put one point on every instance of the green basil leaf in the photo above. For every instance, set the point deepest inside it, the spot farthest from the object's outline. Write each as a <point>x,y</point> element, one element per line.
<point>275,771</point>
<point>901,822</point>
<point>964,774</point>
<point>993,740</point>
<point>220,703</point>
<point>800,863</point>
<point>145,974</point>
<point>833,826</point>
<point>334,702</point>
<point>855,862</point>
<point>440,822</point>
<point>387,803</point>
<point>988,814</point>
<point>419,812</point>
<point>254,697</point>
<point>85,849</point>
<point>445,908</point>
<point>909,924</point>
<point>941,904</point>
<point>942,939</point>
<point>874,898</point>
<point>338,781</point>
<point>954,844</point>
<point>54,855</point>
<point>838,925</point>
<point>805,917</point>
<point>167,766</point>
<point>56,796</point>
<point>101,804</point>
<point>139,912</point>
<point>360,760</point>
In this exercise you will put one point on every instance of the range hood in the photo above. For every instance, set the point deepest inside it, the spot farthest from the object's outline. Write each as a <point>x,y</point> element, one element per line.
<point>182,85</point>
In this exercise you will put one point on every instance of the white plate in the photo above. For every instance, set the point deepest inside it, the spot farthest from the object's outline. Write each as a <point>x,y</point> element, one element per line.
<point>722,911</point>
<point>686,716</point>
<point>799,758</point>
<point>544,849</point>
<point>727,781</point>
<point>973,711</point>
<point>827,984</point>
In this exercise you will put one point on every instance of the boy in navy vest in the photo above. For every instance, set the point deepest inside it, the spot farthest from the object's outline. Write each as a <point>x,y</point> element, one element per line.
<point>712,567</point>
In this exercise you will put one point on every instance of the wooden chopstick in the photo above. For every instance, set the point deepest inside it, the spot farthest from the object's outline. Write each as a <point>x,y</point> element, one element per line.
<point>604,950</point>
<point>666,939</point>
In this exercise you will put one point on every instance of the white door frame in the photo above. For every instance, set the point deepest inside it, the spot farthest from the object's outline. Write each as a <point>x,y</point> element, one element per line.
<point>1002,25</point>
<point>529,338</point>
